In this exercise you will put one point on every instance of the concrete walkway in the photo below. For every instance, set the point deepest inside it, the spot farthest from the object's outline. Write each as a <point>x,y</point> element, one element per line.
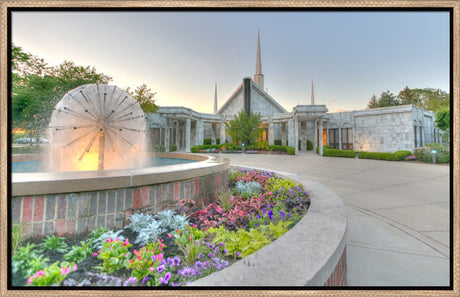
<point>398,214</point>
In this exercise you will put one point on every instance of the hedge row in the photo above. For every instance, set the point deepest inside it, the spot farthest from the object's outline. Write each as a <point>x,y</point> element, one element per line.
<point>275,148</point>
<point>423,154</point>
<point>396,156</point>
<point>338,153</point>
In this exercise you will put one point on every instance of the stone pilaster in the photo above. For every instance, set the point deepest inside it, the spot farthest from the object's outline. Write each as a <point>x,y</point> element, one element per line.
<point>283,134</point>
<point>291,133</point>
<point>271,133</point>
<point>167,135</point>
<point>321,137</point>
<point>222,132</point>
<point>188,125</point>
<point>199,132</point>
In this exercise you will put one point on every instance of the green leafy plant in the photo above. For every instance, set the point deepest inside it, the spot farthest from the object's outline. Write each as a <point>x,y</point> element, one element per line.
<point>26,261</point>
<point>53,275</point>
<point>189,242</point>
<point>248,189</point>
<point>112,254</point>
<point>225,199</point>
<point>16,237</point>
<point>96,233</point>
<point>99,242</point>
<point>55,243</point>
<point>79,253</point>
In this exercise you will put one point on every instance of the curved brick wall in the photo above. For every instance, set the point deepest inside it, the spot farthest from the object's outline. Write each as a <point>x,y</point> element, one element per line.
<point>108,199</point>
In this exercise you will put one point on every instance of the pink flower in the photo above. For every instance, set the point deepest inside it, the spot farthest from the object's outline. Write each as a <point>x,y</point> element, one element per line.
<point>109,240</point>
<point>169,235</point>
<point>126,242</point>
<point>75,267</point>
<point>118,239</point>
<point>95,254</point>
<point>99,251</point>
<point>64,270</point>
<point>39,273</point>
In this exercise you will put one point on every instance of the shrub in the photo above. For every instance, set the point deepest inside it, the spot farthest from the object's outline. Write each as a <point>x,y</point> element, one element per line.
<point>291,150</point>
<point>207,141</point>
<point>259,146</point>
<point>198,148</point>
<point>324,147</point>
<point>338,153</point>
<point>172,147</point>
<point>309,145</point>
<point>423,154</point>
<point>277,142</point>
<point>397,156</point>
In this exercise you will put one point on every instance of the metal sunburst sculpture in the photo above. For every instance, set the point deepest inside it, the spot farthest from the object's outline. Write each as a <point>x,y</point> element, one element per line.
<point>96,127</point>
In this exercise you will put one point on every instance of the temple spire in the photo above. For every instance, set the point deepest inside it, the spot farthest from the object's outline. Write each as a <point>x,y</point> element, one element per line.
<point>312,94</point>
<point>259,77</point>
<point>215,100</point>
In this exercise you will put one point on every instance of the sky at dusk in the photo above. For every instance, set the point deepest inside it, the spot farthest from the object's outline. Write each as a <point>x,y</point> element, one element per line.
<point>182,55</point>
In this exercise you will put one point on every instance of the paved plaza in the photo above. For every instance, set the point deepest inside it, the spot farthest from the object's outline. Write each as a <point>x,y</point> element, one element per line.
<point>398,214</point>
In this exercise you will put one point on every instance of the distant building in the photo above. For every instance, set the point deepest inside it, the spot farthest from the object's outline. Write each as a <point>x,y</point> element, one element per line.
<point>387,129</point>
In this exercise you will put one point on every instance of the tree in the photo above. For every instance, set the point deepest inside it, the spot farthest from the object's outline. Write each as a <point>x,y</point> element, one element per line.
<point>443,120</point>
<point>432,99</point>
<point>36,89</point>
<point>373,102</point>
<point>407,96</point>
<point>243,128</point>
<point>145,98</point>
<point>388,99</point>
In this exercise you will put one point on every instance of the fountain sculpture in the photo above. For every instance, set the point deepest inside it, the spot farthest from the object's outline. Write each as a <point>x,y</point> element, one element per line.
<point>96,127</point>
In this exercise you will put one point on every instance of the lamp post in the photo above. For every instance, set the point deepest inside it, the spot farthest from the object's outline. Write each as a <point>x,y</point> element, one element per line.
<point>434,156</point>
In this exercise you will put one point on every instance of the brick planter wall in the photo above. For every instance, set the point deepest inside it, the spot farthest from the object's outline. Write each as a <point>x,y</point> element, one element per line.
<point>338,277</point>
<point>74,213</point>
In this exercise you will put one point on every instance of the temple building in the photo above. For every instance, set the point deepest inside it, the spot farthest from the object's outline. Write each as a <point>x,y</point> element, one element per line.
<point>387,129</point>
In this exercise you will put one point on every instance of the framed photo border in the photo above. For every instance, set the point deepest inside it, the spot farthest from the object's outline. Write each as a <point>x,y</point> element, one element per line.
<point>452,5</point>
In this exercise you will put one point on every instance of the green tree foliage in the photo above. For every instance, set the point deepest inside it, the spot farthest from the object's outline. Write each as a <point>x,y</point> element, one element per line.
<point>37,88</point>
<point>145,98</point>
<point>443,120</point>
<point>427,98</point>
<point>373,102</point>
<point>243,128</point>
<point>407,96</point>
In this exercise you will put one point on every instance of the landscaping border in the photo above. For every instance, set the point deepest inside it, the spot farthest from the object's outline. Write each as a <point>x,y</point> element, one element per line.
<point>312,253</point>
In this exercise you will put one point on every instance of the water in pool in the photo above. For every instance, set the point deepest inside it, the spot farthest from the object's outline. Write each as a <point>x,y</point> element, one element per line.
<point>40,166</point>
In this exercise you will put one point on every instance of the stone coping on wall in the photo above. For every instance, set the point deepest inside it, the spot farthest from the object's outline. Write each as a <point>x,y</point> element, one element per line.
<point>306,255</point>
<point>40,183</point>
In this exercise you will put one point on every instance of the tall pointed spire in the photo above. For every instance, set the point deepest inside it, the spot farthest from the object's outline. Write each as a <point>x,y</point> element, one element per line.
<point>259,77</point>
<point>215,100</point>
<point>312,94</point>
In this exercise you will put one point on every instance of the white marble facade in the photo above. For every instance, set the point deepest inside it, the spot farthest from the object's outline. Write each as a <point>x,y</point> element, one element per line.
<point>386,129</point>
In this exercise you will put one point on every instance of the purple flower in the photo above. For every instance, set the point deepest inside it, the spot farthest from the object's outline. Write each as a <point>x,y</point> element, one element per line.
<point>211,255</point>
<point>237,254</point>
<point>258,216</point>
<point>154,257</point>
<point>266,223</point>
<point>173,284</point>
<point>210,246</point>
<point>270,214</point>
<point>268,206</point>
<point>225,252</point>
<point>257,225</point>
<point>165,280</point>
<point>199,255</point>
<point>177,260</point>
<point>145,279</point>
<point>160,268</point>
<point>221,243</point>
<point>282,214</point>
<point>290,215</point>
<point>170,261</point>
<point>216,250</point>
<point>197,242</point>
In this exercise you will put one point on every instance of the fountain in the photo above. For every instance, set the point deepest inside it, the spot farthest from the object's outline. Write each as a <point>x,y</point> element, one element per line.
<point>99,173</point>
<point>96,127</point>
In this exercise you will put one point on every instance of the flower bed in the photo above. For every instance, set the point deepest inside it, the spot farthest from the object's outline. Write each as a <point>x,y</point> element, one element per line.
<point>169,248</point>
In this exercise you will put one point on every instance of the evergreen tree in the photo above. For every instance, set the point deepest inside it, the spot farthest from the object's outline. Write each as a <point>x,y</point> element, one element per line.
<point>372,102</point>
<point>388,99</point>
<point>407,96</point>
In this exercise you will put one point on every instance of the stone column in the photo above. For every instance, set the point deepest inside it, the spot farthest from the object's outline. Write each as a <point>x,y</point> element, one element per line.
<point>213,133</point>
<point>291,133</point>
<point>188,126</point>
<point>283,134</point>
<point>199,132</point>
<point>271,133</point>
<point>167,135</point>
<point>222,131</point>
<point>327,134</point>
<point>303,136</point>
<point>340,138</point>
<point>422,136</point>
<point>315,138</point>
<point>296,135</point>
<point>177,136</point>
<point>321,137</point>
